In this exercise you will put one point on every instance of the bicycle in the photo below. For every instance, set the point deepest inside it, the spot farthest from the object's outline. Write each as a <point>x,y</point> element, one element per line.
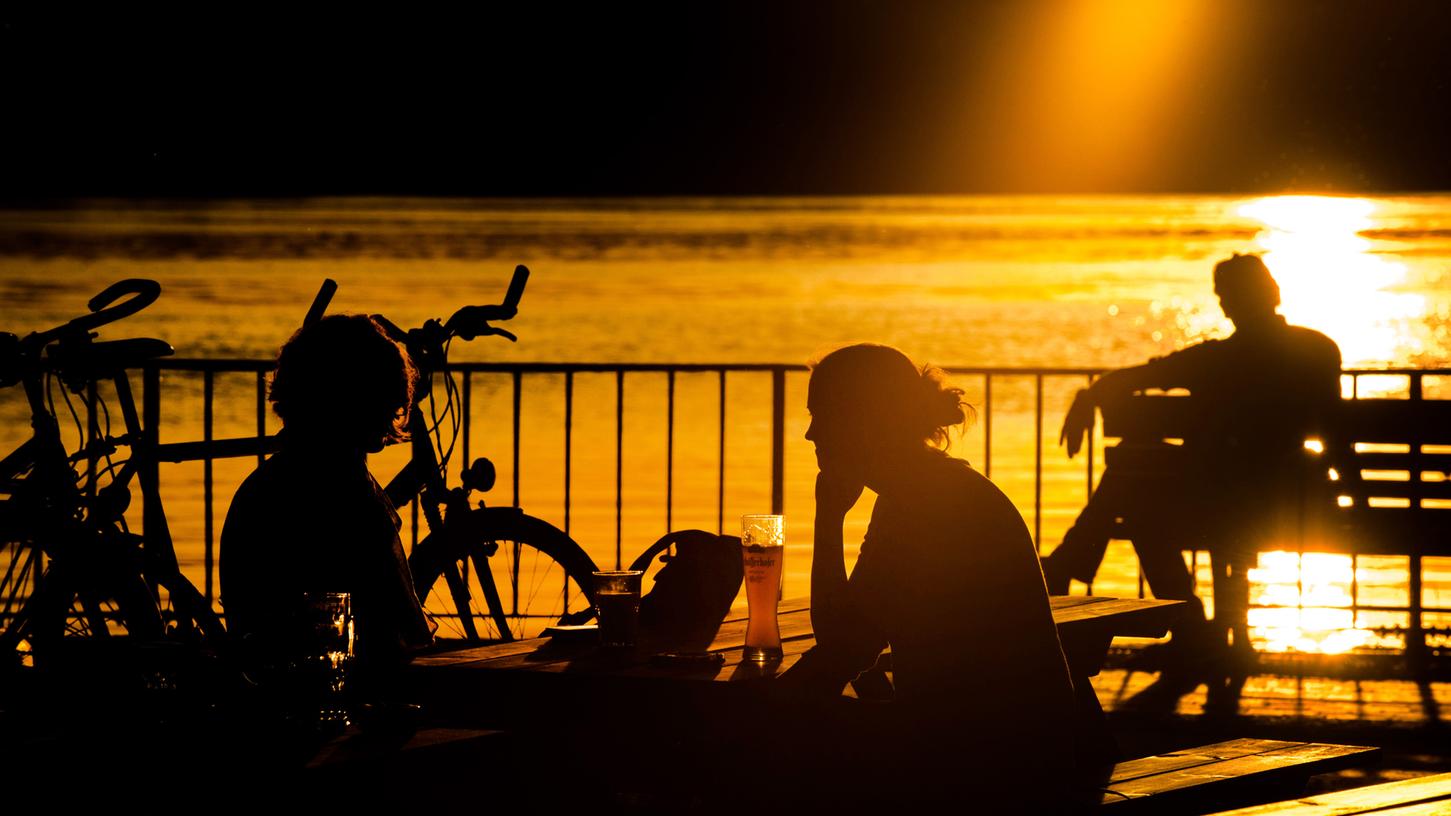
<point>73,567</point>
<point>112,588</point>
<point>477,551</point>
<point>474,551</point>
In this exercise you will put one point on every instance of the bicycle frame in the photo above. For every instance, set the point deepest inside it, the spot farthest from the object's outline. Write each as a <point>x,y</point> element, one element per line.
<point>92,520</point>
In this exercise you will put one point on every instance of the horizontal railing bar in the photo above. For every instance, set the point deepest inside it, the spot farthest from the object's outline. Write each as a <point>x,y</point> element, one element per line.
<point>1359,608</point>
<point>217,448</point>
<point>214,364</point>
<point>240,364</point>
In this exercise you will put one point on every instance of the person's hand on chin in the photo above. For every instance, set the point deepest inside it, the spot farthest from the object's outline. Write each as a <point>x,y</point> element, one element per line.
<point>836,492</point>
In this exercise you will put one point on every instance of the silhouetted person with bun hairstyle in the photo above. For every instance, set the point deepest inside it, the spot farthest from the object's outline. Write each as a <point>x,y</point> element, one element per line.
<point>947,576</point>
<point>1264,390</point>
<point>311,519</point>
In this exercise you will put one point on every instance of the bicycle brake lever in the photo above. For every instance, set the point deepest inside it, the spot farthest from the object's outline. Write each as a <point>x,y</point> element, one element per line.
<point>472,330</point>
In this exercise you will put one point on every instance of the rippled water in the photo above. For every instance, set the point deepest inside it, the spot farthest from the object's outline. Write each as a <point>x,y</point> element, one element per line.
<point>979,281</point>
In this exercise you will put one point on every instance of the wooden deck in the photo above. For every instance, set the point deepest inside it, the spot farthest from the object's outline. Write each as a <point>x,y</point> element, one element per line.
<point>1424,796</point>
<point>1287,701</point>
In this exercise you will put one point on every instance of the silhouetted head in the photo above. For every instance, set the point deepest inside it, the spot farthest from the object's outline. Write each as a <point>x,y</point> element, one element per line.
<point>870,405</point>
<point>1247,292</point>
<point>342,383</point>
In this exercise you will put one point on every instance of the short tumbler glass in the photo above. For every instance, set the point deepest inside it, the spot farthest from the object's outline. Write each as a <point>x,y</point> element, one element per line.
<point>617,603</point>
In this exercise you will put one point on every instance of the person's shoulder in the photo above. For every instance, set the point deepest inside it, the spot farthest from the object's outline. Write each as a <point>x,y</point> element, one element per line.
<point>1313,345</point>
<point>981,503</point>
<point>267,478</point>
<point>1312,337</point>
<point>1189,354</point>
<point>962,478</point>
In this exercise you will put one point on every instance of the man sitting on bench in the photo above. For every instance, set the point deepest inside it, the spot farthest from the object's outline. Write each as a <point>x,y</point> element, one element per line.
<point>1261,393</point>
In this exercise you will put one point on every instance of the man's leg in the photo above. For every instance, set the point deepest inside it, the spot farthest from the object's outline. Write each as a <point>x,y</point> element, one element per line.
<point>1169,579</point>
<point>1083,546</point>
<point>1231,600</point>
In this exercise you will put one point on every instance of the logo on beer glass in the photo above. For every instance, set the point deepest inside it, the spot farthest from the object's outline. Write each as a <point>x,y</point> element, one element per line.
<point>763,546</point>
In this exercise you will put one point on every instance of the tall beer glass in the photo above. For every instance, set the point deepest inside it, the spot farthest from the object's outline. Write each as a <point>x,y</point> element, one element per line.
<point>330,657</point>
<point>763,543</point>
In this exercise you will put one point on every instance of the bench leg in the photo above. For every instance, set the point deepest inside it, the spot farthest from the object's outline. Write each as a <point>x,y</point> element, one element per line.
<point>1231,604</point>
<point>1096,746</point>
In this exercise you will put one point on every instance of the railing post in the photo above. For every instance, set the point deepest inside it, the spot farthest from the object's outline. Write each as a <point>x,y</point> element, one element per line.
<point>1416,633</point>
<point>669,449</point>
<point>466,419</point>
<point>93,434</point>
<point>619,463</point>
<point>1091,429</point>
<point>721,472</point>
<point>568,445</point>
<point>518,387</point>
<point>1038,467</point>
<point>778,440</point>
<point>987,425</point>
<point>568,457</point>
<point>153,517</point>
<point>208,497</point>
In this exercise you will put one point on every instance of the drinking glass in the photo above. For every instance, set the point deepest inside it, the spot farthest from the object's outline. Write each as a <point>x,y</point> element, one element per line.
<point>617,604</point>
<point>331,617</point>
<point>763,547</point>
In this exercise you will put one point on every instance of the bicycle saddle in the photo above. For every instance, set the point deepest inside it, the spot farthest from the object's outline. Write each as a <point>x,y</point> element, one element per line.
<point>89,361</point>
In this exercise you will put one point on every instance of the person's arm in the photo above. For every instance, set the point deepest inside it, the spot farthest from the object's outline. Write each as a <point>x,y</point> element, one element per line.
<point>848,639</point>
<point>835,496</point>
<point>1080,418</point>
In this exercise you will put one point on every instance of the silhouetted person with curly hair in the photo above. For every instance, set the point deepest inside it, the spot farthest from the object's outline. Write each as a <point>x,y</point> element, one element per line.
<point>312,520</point>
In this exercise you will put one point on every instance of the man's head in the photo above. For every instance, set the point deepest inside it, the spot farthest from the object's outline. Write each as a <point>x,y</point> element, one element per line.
<point>1247,292</point>
<point>342,383</point>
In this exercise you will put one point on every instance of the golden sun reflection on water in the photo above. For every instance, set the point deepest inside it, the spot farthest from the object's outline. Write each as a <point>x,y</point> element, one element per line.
<point>1331,278</point>
<point>1314,593</point>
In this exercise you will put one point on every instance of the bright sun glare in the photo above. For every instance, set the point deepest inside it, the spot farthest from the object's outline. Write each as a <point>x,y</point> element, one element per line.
<point>1312,596</point>
<point>1330,279</point>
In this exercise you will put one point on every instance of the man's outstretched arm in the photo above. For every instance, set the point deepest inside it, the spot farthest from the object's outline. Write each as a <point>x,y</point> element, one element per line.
<point>1121,382</point>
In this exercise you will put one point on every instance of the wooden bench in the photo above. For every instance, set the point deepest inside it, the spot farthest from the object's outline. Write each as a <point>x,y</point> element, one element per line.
<point>1422,796</point>
<point>1390,493</point>
<point>1225,774</point>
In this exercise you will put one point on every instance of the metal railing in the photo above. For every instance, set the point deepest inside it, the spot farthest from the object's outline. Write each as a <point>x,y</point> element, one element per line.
<point>208,450</point>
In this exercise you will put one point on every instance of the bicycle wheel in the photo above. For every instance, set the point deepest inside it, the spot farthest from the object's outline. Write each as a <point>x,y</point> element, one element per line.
<point>501,575</point>
<point>73,604</point>
<point>67,609</point>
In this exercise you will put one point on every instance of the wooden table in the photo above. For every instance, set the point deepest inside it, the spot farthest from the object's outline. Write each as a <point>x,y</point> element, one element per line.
<point>469,684</point>
<point>620,723</point>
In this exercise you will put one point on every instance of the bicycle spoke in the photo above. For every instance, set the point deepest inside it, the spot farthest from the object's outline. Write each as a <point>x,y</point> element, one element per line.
<point>518,589</point>
<point>15,584</point>
<point>494,605</point>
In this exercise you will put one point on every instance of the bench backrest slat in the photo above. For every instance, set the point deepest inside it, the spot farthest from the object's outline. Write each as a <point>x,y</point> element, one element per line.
<point>1393,458</point>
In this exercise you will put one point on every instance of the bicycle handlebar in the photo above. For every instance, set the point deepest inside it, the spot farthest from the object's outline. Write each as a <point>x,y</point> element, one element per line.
<point>144,292</point>
<point>473,321</point>
<point>18,355</point>
<point>320,302</point>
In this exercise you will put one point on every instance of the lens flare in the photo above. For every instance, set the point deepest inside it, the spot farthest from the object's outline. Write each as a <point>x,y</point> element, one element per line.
<point>1312,596</point>
<point>1332,279</point>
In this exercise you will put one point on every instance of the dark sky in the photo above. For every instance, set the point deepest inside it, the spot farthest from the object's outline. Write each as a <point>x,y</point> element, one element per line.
<point>775,98</point>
